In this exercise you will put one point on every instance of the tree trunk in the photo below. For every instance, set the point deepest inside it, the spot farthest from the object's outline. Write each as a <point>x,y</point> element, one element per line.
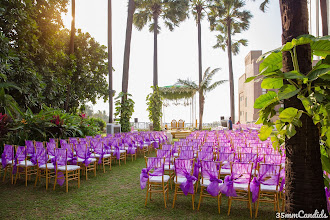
<point>200,76</point>
<point>304,188</point>
<point>155,51</point>
<point>231,76</point>
<point>323,4</point>
<point>110,61</point>
<point>71,50</point>
<point>131,9</point>
<point>201,110</point>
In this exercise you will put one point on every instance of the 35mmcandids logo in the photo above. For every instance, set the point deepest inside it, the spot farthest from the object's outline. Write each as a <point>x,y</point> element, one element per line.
<point>302,214</point>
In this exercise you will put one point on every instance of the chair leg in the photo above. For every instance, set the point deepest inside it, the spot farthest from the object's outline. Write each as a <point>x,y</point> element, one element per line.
<point>164,196</point>
<point>219,202</point>
<point>55,180</point>
<point>86,173</point>
<point>26,176</point>
<point>200,198</point>
<point>35,183</point>
<point>95,165</point>
<point>193,201</point>
<point>78,178</point>
<point>250,205</point>
<point>47,179</point>
<point>66,181</point>
<point>16,176</point>
<point>256,215</point>
<point>4,175</point>
<point>176,189</point>
<point>147,195</point>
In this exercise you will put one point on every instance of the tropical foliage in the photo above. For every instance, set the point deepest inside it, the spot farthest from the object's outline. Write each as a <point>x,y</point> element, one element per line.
<point>154,103</point>
<point>34,57</point>
<point>229,18</point>
<point>124,109</point>
<point>204,87</point>
<point>313,90</point>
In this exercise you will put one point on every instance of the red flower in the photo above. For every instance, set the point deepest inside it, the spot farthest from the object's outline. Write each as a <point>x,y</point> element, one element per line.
<point>83,115</point>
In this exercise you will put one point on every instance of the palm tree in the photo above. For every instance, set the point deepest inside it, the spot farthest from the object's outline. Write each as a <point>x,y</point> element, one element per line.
<point>228,17</point>
<point>203,88</point>
<point>131,10</point>
<point>111,92</point>
<point>172,12</point>
<point>304,187</point>
<point>198,7</point>
<point>304,176</point>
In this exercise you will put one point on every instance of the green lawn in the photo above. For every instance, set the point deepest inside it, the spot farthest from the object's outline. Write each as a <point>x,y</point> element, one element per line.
<point>114,194</point>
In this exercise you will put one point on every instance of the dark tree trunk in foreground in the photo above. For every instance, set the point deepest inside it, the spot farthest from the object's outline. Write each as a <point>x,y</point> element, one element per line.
<point>131,9</point>
<point>155,50</point>
<point>323,4</point>
<point>231,75</point>
<point>200,74</point>
<point>304,187</point>
<point>71,50</point>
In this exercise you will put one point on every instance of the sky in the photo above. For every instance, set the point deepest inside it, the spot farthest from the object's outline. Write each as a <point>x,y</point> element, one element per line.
<point>177,54</point>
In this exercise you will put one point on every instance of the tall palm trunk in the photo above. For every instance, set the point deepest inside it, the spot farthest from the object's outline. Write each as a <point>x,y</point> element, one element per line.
<point>324,16</point>
<point>304,187</point>
<point>200,76</point>
<point>110,61</point>
<point>131,9</point>
<point>71,50</point>
<point>231,77</point>
<point>155,50</point>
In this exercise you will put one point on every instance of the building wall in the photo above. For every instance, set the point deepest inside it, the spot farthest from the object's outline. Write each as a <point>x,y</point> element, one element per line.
<point>249,92</point>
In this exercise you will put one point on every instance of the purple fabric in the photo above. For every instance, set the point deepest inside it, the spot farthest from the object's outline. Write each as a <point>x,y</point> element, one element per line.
<point>156,145</point>
<point>98,149</point>
<point>51,148</point>
<point>40,157</point>
<point>183,168</point>
<point>62,141</point>
<point>29,147</point>
<point>20,156</point>
<point>131,149</point>
<point>327,196</point>
<point>268,174</point>
<point>211,172</point>
<point>7,155</point>
<point>186,154</point>
<point>282,185</point>
<point>241,173</point>
<point>61,160</point>
<point>52,140</point>
<point>153,164</point>
<point>83,153</point>
<point>39,144</point>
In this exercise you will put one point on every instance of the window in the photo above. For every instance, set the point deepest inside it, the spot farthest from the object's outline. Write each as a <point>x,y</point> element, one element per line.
<point>245,117</point>
<point>264,91</point>
<point>246,102</point>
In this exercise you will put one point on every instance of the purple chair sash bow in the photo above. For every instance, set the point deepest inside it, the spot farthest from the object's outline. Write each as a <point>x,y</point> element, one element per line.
<point>214,187</point>
<point>227,187</point>
<point>188,185</point>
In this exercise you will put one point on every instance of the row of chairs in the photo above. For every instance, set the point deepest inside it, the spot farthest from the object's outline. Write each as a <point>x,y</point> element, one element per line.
<point>241,184</point>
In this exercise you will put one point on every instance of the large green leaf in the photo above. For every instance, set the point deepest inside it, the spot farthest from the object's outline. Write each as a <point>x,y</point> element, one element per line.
<point>288,114</point>
<point>271,63</point>
<point>293,75</point>
<point>265,132</point>
<point>287,91</point>
<point>265,99</point>
<point>314,74</point>
<point>272,83</point>
<point>321,46</point>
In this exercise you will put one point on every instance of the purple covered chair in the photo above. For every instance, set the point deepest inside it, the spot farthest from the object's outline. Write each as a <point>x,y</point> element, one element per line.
<point>50,146</point>
<point>265,186</point>
<point>225,159</point>
<point>84,159</point>
<point>22,165</point>
<point>100,154</point>
<point>184,178</point>
<point>153,178</point>
<point>63,171</point>
<point>237,185</point>
<point>210,180</point>
<point>29,147</point>
<point>7,161</point>
<point>44,169</point>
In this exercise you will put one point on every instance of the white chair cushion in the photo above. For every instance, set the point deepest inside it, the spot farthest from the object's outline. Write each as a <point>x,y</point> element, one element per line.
<point>241,186</point>
<point>51,157</point>
<point>69,167</point>
<point>121,151</point>
<point>207,182</point>
<point>168,167</point>
<point>179,180</point>
<point>50,166</point>
<point>28,164</point>
<point>106,155</point>
<point>175,155</point>
<point>268,188</point>
<point>95,155</point>
<point>92,160</point>
<point>158,179</point>
<point>225,171</point>
<point>0,160</point>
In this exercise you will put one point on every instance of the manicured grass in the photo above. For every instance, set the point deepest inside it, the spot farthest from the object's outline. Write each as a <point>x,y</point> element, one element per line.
<point>114,194</point>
